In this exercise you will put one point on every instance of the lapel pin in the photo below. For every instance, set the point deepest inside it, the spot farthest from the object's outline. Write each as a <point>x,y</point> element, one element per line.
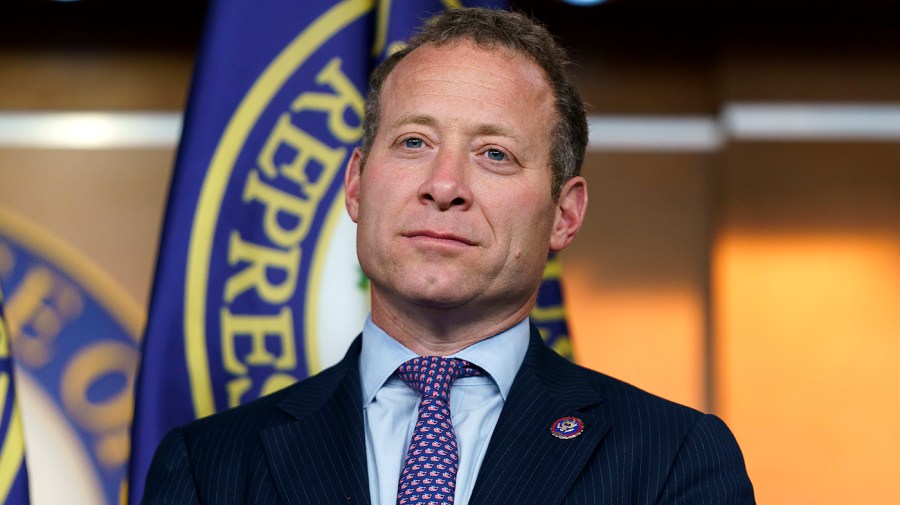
<point>567,427</point>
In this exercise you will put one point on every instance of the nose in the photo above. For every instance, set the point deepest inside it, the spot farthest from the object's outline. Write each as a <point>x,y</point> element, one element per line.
<point>446,186</point>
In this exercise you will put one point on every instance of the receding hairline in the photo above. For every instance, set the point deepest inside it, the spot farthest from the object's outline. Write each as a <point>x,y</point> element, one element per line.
<point>534,71</point>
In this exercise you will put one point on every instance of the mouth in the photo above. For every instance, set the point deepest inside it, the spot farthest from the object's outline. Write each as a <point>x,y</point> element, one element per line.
<point>439,237</point>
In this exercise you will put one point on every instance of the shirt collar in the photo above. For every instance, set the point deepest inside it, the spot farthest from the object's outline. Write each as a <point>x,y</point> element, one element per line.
<point>500,356</point>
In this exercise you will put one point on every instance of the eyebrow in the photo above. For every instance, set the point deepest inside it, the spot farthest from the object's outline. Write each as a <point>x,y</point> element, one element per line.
<point>419,119</point>
<point>426,120</point>
<point>491,129</point>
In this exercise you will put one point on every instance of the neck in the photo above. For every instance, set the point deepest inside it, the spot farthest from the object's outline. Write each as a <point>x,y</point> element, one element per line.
<point>435,331</point>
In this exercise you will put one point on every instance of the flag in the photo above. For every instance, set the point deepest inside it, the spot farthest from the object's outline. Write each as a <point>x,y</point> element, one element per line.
<point>549,313</point>
<point>75,335</point>
<point>13,474</point>
<point>257,255</point>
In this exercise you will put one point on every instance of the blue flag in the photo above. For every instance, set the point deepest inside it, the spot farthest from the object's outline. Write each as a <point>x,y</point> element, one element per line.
<point>13,474</point>
<point>257,256</point>
<point>549,313</point>
<point>75,337</point>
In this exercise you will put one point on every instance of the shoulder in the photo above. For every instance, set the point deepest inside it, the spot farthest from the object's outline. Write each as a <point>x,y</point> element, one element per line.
<point>635,412</point>
<point>232,424</point>
<point>626,399</point>
<point>240,425</point>
<point>684,455</point>
<point>222,454</point>
<point>616,398</point>
<point>683,444</point>
<point>636,415</point>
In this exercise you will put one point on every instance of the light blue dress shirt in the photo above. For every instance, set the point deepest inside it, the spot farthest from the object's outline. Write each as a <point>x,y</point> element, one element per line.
<point>390,407</point>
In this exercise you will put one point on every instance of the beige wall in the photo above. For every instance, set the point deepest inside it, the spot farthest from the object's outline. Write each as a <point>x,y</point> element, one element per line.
<point>635,277</point>
<point>107,204</point>
<point>807,290</point>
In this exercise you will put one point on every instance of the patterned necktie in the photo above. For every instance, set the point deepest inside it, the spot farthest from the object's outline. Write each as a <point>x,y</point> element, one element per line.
<point>429,471</point>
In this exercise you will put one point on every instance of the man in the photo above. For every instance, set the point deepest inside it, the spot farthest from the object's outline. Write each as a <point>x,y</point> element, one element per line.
<point>467,177</point>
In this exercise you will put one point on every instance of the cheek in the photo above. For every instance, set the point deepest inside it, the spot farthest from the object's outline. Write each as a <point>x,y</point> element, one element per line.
<point>529,233</point>
<point>372,195</point>
<point>384,188</point>
<point>381,209</point>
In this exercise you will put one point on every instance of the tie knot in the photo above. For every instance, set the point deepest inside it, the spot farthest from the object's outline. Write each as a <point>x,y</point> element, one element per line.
<point>432,376</point>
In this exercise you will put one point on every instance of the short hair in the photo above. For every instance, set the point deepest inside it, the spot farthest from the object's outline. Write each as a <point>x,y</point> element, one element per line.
<point>493,28</point>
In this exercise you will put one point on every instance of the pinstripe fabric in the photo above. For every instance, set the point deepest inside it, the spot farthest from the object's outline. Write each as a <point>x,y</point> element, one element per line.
<point>301,445</point>
<point>305,445</point>
<point>636,448</point>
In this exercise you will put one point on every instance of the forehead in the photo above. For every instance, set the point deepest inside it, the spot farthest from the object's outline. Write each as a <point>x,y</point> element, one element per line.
<point>494,77</point>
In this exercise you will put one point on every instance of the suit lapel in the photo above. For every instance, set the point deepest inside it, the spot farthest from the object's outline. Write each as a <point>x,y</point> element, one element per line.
<point>524,463</point>
<point>320,457</point>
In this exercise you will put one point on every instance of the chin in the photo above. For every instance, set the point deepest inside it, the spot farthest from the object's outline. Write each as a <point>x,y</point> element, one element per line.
<point>447,293</point>
<point>436,300</point>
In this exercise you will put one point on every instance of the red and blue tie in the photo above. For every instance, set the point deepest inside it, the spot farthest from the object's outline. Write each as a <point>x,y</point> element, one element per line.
<point>429,471</point>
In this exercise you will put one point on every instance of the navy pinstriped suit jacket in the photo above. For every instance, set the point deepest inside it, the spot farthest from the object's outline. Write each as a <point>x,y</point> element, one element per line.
<point>306,445</point>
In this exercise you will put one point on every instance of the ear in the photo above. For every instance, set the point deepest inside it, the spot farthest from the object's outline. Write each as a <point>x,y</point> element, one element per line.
<point>351,184</point>
<point>570,210</point>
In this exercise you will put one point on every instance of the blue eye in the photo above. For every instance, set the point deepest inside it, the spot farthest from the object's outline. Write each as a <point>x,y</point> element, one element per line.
<point>496,154</point>
<point>413,143</point>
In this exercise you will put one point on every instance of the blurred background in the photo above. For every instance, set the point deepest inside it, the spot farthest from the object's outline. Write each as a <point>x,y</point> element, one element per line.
<point>741,253</point>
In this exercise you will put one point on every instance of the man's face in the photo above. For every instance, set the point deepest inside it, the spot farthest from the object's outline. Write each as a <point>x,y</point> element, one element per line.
<point>453,206</point>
